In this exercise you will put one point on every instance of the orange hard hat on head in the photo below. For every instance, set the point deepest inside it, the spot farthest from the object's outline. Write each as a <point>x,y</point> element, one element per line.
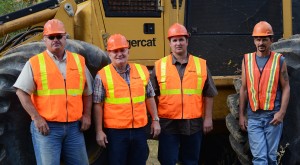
<point>54,26</point>
<point>262,29</point>
<point>177,30</point>
<point>117,41</point>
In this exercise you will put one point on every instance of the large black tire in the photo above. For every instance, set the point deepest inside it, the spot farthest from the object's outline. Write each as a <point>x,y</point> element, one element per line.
<point>238,139</point>
<point>15,139</point>
<point>291,130</point>
<point>290,48</point>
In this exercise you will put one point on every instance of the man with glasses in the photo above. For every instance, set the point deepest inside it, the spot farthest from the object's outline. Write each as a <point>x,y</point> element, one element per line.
<point>55,89</point>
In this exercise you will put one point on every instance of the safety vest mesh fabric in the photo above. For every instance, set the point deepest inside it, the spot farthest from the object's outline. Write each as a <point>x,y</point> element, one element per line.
<point>180,99</point>
<point>124,105</point>
<point>57,99</point>
<point>262,85</point>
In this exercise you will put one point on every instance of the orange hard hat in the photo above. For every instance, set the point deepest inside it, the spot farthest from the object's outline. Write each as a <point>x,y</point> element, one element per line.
<point>117,41</point>
<point>262,28</point>
<point>177,30</point>
<point>54,26</point>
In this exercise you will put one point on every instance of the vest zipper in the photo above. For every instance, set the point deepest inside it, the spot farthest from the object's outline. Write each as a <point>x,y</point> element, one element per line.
<point>260,71</point>
<point>181,98</point>
<point>66,99</point>
<point>131,106</point>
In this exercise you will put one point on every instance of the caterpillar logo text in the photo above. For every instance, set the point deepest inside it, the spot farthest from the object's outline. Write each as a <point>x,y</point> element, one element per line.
<point>143,43</point>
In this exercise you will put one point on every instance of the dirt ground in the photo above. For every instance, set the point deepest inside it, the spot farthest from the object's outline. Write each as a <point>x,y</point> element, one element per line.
<point>153,148</point>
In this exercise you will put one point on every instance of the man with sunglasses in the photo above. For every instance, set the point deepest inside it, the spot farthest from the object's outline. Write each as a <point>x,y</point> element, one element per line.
<point>55,88</point>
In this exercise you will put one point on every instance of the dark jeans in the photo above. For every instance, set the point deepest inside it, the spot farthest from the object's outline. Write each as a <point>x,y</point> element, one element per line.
<point>171,145</point>
<point>127,146</point>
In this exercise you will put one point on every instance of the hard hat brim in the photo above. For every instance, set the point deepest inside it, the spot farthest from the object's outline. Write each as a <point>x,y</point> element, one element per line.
<point>54,32</point>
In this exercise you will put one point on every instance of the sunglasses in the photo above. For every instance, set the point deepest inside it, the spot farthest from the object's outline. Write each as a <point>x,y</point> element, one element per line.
<point>58,37</point>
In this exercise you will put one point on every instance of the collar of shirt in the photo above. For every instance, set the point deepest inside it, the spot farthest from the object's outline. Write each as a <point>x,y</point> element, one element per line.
<point>55,58</point>
<point>174,60</point>
<point>124,75</point>
<point>127,69</point>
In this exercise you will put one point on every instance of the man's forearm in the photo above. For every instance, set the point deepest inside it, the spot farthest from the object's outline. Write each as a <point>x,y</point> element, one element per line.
<point>208,107</point>
<point>151,107</point>
<point>242,102</point>
<point>87,105</point>
<point>285,99</point>
<point>27,104</point>
<point>98,116</point>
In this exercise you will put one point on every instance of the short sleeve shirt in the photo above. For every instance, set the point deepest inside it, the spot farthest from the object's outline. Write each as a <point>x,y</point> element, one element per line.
<point>26,82</point>
<point>184,126</point>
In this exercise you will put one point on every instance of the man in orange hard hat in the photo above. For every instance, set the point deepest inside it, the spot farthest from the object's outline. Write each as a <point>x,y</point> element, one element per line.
<point>185,91</point>
<point>264,96</point>
<point>122,95</point>
<point>55,88</point>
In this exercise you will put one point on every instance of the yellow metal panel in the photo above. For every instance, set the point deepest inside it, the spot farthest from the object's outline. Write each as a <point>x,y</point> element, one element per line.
<point>225,87</point>
<point>89,25</point>
<point>143,46</point>
<point>83,22</point>
<point>62,15</point>
<point>172,16</point>
<point>287,18</point>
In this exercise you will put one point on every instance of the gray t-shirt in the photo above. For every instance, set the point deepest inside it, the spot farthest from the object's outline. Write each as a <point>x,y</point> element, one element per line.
<point>261,62</point>
<point>26,82</point>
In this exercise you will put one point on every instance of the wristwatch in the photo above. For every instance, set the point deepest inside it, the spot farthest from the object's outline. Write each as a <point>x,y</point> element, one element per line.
<point>155,119</point>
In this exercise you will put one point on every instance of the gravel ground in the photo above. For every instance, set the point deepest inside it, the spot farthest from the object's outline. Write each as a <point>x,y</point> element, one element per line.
<point>153,147</point>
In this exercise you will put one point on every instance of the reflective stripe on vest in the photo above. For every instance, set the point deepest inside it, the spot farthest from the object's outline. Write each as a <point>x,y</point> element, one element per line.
<point>164,91</point>
<point>45,91</point>
<point>271,80</point>
<point>124,100</point>
<point>251,65</point>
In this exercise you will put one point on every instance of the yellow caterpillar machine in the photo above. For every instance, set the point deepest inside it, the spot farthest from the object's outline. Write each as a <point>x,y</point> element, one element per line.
<point>220,33</point>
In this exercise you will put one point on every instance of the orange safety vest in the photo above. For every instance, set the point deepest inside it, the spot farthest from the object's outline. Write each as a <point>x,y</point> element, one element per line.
<point>262,85</point>
<point>180,99</point>
<point>124,105</point>
<point>57,99</point>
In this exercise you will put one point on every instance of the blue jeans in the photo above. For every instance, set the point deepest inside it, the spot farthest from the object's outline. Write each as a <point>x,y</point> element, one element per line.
<point>171,145</point>
<point>264,140</point>
<point>127,146</point>
<point>64,139</point>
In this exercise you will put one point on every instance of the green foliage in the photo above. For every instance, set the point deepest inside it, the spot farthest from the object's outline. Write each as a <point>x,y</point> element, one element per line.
<point>280,153</point>
<point>8,6</point>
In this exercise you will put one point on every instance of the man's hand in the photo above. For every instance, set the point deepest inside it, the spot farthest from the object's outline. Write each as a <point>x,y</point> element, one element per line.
<point>101,139</point>
<point>243,122</point>
<point>41,124</point>
<point>85,122</point>
<point>155,128</point>
<point>278,118</point>
<point>207,125</point>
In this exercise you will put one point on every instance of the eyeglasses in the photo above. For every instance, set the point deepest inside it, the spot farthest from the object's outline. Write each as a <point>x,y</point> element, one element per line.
<point>58,37</point>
